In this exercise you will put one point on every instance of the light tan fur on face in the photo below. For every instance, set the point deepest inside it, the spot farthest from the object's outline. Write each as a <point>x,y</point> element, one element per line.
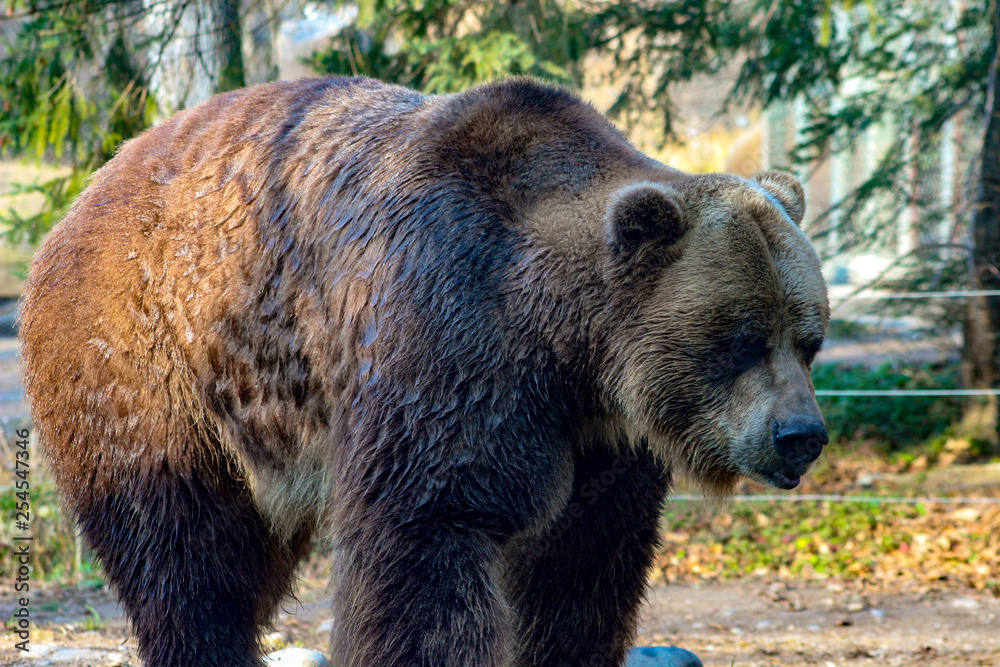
<point>742,252</point>
<point>743,258</point>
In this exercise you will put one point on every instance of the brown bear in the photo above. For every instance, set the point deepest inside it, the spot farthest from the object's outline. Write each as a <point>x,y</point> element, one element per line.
<point>469,337</point>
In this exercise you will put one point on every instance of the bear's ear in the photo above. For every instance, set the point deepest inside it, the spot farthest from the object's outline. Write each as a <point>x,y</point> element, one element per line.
<point>786,189</point>
<point>640,214</point>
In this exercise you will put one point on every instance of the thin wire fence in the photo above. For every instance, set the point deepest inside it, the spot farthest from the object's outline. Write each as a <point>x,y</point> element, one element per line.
<point>907,392</point>
<point>843,498</point>
<point>901,393</point>
<point>887,296</point>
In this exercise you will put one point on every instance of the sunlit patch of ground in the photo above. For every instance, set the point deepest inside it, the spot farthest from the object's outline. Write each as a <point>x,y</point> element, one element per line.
<point>14,173</point>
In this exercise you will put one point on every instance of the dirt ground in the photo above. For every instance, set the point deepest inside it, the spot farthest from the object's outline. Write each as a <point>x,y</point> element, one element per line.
<point>754,624</point>
<point>748,623</point>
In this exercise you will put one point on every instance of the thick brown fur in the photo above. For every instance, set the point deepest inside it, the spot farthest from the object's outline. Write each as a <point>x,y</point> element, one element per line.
<point>470,336</point>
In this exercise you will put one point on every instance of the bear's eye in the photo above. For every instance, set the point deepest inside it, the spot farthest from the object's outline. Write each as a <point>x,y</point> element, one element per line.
<point>743,350</point>
<point>810,349</point>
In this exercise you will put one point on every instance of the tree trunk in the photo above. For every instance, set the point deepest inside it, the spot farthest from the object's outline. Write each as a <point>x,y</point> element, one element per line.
<point>261,20</point>
<point>199,50</point>
<point>226,44</point>
<point>981,363</point>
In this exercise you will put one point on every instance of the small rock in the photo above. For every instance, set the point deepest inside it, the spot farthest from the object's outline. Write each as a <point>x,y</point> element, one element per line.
<point>856,603</point>
<point>38,650</point>
<point>296,657</point>
<point>813,628</point>
<point>965,514</point>
<point>326,627</point>
<point>76,655</point>
<point>957,445</point>
<point>877,613</point>
<point>965,603</point>
<point>662,656</point>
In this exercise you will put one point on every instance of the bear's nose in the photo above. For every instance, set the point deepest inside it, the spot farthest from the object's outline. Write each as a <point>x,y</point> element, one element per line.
<point>800,440</point>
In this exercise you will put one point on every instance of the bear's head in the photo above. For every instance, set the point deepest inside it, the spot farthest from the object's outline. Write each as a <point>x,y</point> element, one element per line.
<point>711,363</point>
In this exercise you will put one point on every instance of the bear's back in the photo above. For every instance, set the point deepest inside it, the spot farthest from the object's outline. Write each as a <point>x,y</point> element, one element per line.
<point>188,274</point>
<point>261,258</point>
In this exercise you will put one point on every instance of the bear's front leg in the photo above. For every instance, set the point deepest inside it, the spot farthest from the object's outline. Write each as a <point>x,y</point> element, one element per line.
<point>577,586</point>
<point>417,594</point>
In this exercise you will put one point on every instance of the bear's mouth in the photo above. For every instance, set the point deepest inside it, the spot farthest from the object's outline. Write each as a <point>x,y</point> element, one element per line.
<point>784,479</point>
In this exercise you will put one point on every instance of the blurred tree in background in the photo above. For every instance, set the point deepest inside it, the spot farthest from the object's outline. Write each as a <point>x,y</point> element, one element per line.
<point>445,46</point>
<point>48,110</point>
<point>79,76</point>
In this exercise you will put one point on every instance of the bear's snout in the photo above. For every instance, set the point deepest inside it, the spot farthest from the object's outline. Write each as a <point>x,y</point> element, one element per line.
<point>800,440</point>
